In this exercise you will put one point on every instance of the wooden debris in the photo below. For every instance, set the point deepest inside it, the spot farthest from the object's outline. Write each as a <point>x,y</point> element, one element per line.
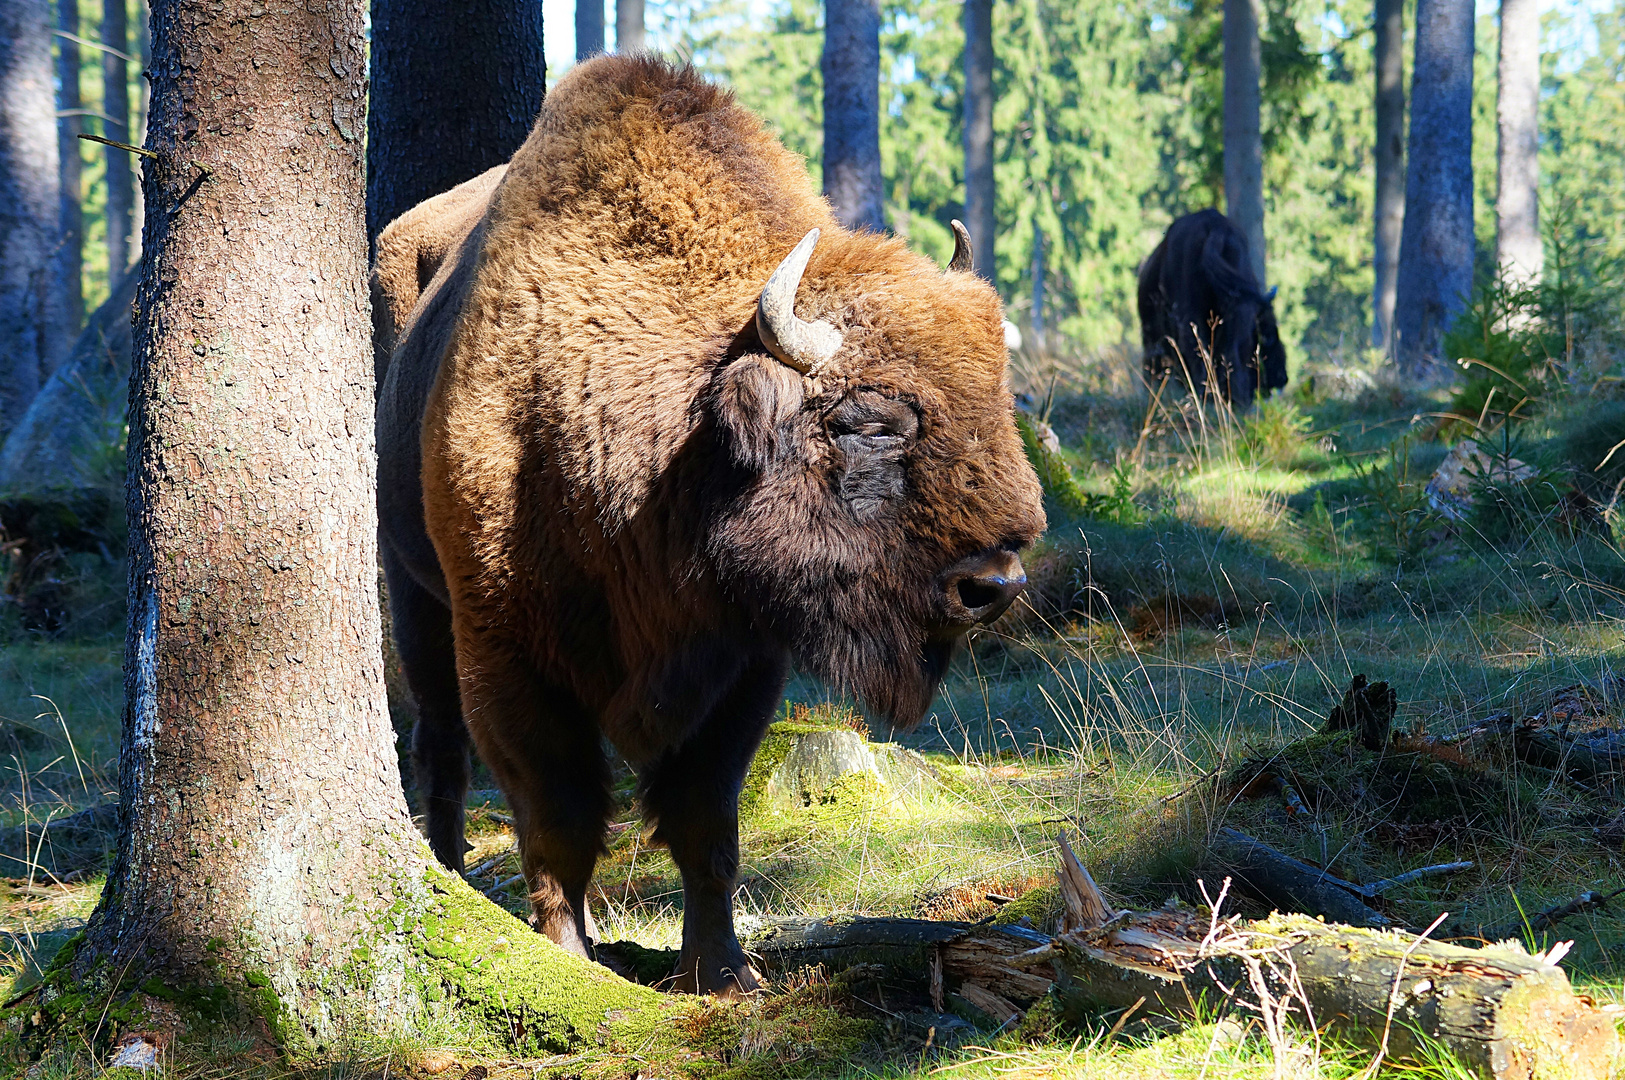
<point>1287,883</point>
<point>905,948</point>
<point>1367,709</point>
<point>1503,1012</point>
<point>1085,907</point>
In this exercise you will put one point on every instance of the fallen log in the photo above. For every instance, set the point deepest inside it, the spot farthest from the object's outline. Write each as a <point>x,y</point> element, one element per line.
<point>904,948</point>
<point>1502,1012</point>
<point>1287,883</point>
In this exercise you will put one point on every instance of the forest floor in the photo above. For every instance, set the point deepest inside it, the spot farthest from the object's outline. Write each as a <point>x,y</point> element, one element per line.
<point>1207,591</point>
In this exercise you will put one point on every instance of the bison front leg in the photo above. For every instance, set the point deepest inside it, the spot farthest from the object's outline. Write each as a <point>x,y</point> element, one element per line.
<point>692,795</point>
<point>548,758</point>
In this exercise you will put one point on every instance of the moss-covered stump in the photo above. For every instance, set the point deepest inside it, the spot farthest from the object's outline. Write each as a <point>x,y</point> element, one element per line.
<point>801,764</point>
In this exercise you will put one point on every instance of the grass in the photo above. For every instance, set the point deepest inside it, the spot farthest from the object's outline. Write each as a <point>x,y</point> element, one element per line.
<point>1209,586</point>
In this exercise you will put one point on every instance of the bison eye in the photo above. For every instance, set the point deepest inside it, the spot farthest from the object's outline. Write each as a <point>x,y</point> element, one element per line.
<point>871,434</point>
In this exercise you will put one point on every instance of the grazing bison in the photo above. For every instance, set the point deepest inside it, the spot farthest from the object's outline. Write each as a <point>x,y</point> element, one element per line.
<point>1202,313</point>
<point>656,428</point>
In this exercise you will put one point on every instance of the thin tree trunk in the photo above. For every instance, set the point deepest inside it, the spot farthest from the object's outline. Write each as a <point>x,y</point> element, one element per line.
<point>264,844</point>
<point>1517,113</point>
<point>980,219</point>
<point>116,103</point>
<point>143,37</point>
<point>31,330</point>
<point>455,88</point>
<point>1390,162</point>
<point>1243,135</point>
<point>70,255</point>
<point>628,26</point>
<point>589,28</point>
<point>851,69</point>
<point>1038,289</point>
<point>1436,246</point>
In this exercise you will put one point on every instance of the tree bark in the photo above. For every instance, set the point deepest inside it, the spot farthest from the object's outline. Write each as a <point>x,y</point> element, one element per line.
<point>70,252</point>
<point>980,219</point>
<point>851,69</point>
<point>265,845</point>
<point>1436,245</point>
<point>628,26</point>
<point>30,306</point>
<point>1243,135</point>
<point>455,88</point>
<point>116,103</point>
<point>589,28</point>
<point>1390,164</point>
<point>1518,252</point>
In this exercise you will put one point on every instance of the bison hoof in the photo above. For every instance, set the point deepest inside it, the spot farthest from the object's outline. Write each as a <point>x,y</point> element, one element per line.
<point>728,981</point>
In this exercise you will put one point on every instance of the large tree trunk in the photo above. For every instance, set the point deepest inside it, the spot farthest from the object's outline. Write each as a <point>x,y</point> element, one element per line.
<point>589,28</point>
<point>70,254</point>
<point>1243,135</point>
<point>851,68</point>
<point>1436,247</point>
<point>978,134</point>
<point>30,306</point>
<point>116,104</point>
<point>265,845</point>
<point>455,88</point>
<point>1390,162</point>
<point>628,25</point>
<point>1517,114</point>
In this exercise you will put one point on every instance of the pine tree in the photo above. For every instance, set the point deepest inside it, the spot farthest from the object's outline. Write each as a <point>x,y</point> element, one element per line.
<point>32,333</point>
<point>851,70</point>
<point>455,88</point>
<point>1436,247</point>
<point>1517,231</point>
<point>70,255</point>
<point>1243,136</point>
<point>1390,163</point>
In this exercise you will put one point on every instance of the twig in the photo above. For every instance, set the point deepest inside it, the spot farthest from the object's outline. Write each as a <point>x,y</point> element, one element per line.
<point>126,146</point>
<point>1394,998</point>
<point>87,43</point>
<point>1377,888</point>
<point>1123,1019</point>
<point>1545,920</point>
<point>502,886</point>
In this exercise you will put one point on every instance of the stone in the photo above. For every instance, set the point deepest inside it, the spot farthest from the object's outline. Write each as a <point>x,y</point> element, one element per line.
<point>815,759</point>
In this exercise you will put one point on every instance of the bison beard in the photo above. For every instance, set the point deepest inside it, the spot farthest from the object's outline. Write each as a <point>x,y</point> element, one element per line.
<point>656,427</point>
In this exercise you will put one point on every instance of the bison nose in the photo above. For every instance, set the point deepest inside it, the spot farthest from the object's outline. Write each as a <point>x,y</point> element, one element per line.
<point>980,588</point>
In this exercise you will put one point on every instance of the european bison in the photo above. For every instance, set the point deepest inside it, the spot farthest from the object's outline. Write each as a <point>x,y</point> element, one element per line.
<point>1202,313</point>
<point>657,428</point>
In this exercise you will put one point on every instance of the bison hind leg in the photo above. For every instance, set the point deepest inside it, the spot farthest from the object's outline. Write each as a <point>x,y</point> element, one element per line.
<point>422,628</point>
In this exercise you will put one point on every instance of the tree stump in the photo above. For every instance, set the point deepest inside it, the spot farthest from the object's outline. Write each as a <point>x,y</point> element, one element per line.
<point>800,765</point>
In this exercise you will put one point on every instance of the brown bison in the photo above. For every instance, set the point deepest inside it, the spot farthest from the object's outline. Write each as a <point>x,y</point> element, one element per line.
<point>1203,315</point>
<point>657,428</point>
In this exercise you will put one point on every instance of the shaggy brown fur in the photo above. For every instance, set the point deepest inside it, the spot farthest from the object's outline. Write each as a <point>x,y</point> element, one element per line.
<point>639,517</point>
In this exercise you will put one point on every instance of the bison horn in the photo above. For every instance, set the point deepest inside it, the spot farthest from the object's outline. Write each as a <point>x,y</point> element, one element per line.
<point>964,256</point>
<point>1269,297</point>
<point>802,345</point>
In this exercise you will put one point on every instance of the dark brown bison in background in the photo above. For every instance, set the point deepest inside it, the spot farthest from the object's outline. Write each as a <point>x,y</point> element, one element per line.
<point>1203,315</point>
<point>656,428</point>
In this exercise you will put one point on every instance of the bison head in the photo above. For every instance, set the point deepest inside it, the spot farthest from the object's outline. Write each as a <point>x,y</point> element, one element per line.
<point>882,494</point>
<point>1271,353</point>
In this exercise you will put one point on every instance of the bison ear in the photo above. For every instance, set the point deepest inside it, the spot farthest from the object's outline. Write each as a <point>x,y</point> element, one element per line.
<point>755,398</point>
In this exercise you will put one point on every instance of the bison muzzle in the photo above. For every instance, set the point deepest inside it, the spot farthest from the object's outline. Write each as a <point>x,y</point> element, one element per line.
<point>653,427</point>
